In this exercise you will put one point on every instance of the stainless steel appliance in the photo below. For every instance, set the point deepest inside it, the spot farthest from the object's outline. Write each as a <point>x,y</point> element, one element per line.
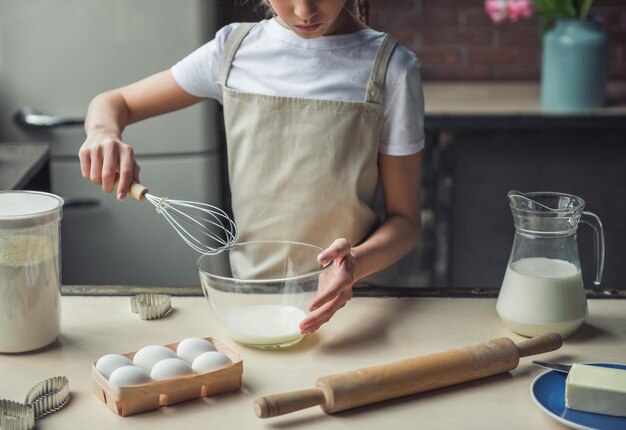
<point>54,57</point>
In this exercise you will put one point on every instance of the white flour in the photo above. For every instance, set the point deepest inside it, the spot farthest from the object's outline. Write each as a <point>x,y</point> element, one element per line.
<point>30,300</point>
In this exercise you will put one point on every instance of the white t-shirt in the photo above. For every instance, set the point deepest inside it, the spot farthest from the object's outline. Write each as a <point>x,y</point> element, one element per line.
<point>273,60</point>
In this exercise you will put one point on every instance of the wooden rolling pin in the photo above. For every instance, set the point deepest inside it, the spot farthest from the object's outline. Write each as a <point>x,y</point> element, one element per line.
<point>414,375</point>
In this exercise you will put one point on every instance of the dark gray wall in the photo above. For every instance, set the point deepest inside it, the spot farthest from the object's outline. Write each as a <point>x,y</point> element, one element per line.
<point>484,166</point>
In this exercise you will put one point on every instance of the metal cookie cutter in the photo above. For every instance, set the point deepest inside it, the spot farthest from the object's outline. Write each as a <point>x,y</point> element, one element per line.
<point>44,398</point>
<point>16,416</point>
<point>48,396</point>
<point>151,306</point>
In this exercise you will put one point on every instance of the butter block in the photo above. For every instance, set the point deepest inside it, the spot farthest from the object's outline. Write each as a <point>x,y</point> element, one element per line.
<point>596,389</point>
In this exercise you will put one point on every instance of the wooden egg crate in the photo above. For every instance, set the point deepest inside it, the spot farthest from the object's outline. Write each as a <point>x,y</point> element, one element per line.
<point>125,401</point>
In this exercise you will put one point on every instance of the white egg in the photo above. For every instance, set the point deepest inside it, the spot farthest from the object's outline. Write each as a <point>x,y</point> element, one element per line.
<point>209,361</point>
<point>108,363</point>
<point>127,376</point>
<point>170,368</point>
<point>149,355</point>
<point>192,347</point>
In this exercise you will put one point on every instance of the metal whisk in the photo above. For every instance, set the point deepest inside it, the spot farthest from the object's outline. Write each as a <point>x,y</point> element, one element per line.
<point>204,227</point>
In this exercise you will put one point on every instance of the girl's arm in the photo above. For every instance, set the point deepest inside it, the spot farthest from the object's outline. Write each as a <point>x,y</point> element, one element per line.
<point>104,155</point>
<point>397,235</point>
<point>402,228</point>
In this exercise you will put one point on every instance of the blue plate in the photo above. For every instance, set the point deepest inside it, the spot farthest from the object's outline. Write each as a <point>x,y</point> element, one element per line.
<point>548,391</point>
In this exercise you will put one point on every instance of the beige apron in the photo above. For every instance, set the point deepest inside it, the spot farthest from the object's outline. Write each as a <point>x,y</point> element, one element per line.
<point>303,170</point>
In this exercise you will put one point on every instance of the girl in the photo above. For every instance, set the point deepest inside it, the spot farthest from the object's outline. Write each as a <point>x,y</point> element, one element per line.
<point>318,110</point>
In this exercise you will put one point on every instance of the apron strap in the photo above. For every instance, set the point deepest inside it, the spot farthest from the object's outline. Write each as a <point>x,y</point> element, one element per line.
<point>377,77</point>
<point>230,48</point>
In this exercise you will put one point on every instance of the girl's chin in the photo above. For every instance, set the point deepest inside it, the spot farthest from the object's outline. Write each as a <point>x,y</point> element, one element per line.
<point>308,32</point>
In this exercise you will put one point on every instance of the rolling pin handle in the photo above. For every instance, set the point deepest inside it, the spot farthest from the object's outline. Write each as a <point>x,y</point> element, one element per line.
<point>539,344</point>
<point>280,404</point>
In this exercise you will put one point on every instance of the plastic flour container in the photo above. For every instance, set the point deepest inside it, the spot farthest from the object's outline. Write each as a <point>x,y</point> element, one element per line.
<point>30,278</point>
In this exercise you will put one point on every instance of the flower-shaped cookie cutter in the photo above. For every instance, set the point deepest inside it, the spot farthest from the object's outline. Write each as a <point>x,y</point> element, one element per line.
<point>44,398</point>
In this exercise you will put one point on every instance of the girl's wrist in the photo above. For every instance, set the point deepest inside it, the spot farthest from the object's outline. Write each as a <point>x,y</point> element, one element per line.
<point>357,264</point>
<point>105,130</point>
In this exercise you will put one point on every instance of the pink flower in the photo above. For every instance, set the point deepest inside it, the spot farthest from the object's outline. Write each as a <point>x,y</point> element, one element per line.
<point>519,9</point>
<point>496,9</point>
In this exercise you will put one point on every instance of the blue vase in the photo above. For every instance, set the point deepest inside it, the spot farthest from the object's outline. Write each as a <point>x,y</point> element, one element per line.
<point>574,66</point>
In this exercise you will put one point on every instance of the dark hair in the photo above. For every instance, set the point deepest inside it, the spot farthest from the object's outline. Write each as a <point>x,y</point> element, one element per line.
<point>363,11</point>
<point>362,8</point>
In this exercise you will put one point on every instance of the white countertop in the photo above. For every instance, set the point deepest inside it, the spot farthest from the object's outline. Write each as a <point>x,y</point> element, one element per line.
<point>367,332</point>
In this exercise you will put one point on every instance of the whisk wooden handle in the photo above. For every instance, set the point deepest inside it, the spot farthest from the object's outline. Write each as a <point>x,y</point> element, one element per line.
<point>135,190</point>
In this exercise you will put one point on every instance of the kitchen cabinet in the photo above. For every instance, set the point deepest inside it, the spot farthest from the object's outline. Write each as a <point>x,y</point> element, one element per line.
<point>486,139</point>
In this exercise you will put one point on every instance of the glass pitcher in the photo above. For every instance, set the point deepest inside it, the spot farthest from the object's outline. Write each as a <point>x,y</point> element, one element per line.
<point>542,290</point>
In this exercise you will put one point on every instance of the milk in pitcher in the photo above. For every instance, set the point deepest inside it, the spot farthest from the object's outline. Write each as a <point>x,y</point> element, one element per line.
<point>540,295</point>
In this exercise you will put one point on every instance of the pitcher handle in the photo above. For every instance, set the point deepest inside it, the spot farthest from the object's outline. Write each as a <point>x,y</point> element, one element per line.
<point>594,222</point>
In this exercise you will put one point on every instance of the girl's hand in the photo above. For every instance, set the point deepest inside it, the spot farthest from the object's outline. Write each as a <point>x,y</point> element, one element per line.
<point>103,157</point>
<point>335,285</point>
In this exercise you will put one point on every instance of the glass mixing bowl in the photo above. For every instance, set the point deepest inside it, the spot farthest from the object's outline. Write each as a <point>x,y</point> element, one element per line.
<point>260,291</point>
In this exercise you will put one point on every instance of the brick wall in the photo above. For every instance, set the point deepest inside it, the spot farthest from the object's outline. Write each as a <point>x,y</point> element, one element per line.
<point>455,39</point>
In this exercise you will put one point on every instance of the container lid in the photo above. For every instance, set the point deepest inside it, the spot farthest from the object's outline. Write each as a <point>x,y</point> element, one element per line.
<point>23,209</point>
